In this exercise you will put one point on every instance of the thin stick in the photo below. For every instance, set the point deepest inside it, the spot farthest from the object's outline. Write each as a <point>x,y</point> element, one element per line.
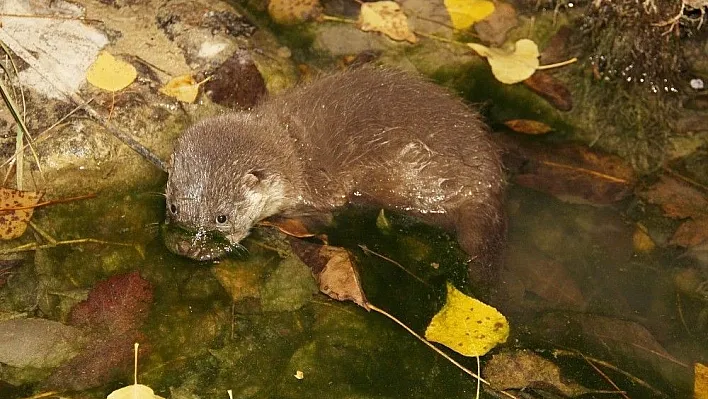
<point>34,246</point>
<point>606,377</point>
<point>400,266</point>
<point>60,17</point>
<point>612,367</point>
<point>52,202</point>
<point>426,342</point>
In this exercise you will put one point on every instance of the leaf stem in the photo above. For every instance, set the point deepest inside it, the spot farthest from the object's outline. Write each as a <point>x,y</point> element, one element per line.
<point>558,64</point>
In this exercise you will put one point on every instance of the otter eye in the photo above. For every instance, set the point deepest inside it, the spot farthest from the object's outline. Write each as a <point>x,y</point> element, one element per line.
<point>221,219</point>
<point>173,209</point>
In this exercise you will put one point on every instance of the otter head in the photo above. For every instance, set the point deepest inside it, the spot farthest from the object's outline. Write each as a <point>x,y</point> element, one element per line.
<point>224,177</point>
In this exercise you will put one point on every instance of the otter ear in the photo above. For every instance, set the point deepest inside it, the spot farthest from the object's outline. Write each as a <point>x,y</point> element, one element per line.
<point>252,178</point>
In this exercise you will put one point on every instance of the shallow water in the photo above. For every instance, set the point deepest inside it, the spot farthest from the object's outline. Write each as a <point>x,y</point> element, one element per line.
<point>573,281</point>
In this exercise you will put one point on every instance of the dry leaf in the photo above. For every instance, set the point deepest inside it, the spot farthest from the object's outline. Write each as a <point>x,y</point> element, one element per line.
<point>339,279</point>
<point>527,126</point>
<point>511,66</point>
<point>109,73</point>
<point>466,325</point>
<point>334,270</point>
<point>464,13</point>
<point>385,17</point>
<point>13,221</point>
<point>184,88</point>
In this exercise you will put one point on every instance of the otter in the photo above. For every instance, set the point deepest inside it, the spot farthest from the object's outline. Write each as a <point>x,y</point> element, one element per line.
<point>366,136</point>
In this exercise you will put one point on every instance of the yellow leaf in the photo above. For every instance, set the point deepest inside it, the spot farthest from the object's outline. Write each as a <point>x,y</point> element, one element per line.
<point>700,384</point>
<point>184,88</point>
<point>13,221</point>
<point>511,66</point>
<point>109,73</point>
<point>464,13</point>
<point>467,325</point>
<point>385,17</point>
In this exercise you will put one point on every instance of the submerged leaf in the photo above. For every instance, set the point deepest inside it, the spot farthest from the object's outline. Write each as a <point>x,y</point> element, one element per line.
<point>466,325</point>
<point>511,66</point>
<point>525,369</point>
<point>110,74</point>
<point>13,221</point>
<point>464,13</point>
<point>385,17</point>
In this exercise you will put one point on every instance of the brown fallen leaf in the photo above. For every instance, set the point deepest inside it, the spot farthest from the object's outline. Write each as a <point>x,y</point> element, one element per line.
<point>679,200</point>
<point>527,126</point>
<point>334,270</point>
<point>493,28</point>
<point>551,90</point>
<point>16,208</point>
<point>572,173</point>
<point>525,369</point>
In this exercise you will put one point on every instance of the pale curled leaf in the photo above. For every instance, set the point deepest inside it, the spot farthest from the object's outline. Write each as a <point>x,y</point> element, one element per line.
<point>511,66</point>
<point>385,17</point>
<point>184,88</point>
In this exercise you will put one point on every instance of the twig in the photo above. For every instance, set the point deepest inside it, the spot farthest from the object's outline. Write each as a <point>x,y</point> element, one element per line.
<point>400,266</point>
<point>606,377</point>
<point>60,17</point>
<point>35,246</point>
<point>51,202</point>
<point>426,342</point>
<point>636,380</point>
